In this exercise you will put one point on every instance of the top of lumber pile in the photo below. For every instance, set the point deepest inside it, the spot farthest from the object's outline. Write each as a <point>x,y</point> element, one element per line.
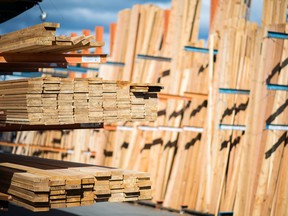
<point>42,38</point>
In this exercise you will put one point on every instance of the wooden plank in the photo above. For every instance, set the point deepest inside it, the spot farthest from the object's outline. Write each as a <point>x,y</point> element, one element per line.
<point>133,37</point>
<point>55,58</point>
<point>5,197</point>
<point>112,30</point>
<point>37,30</point>
<point>99,34</point>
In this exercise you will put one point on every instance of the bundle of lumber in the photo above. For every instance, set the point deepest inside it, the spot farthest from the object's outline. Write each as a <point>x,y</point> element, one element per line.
<point>155,53</point>
<point>140,30</point>
<point>42,38</point>
<point>234,157</point>
<point>161,36</point>
<point>40,184</point>
<point>274,12</point>
<point>262,193</point>
<point>229,109</point>
<point>54,101</point>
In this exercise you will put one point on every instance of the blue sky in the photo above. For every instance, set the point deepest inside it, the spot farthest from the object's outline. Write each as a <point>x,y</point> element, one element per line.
<point>75,15</point>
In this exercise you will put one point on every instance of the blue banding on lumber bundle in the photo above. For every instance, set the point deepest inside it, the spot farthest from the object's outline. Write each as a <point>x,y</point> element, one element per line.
<point>277,35</point>
<point>149,57</point>
<point>121,64</point>
<point>234,91</point>
<point>277,87</point>
<point>199,49</point>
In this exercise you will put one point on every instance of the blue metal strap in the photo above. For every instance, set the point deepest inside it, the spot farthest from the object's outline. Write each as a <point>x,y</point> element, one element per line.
<point>277,35</point>
<point>277,87</point>
<point>234,91</point>
<point>157,58</point>
<point>199,49</point>
<point>120,64</point>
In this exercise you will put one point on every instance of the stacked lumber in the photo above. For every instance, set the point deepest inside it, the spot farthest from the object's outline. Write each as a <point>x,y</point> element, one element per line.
<point>26,105</point>
<point>262,192</point>
<point>123,97</point>
<point>230,109</point>
<point>189,147</point>
<point>227,11</point>
<point>151,32</point>
<point>61,145</point>
<point>119,186</point>
<point>215,187</point>
<point>265,159</point>
<point>95,102</point>
<point>40,184</point>
<point>42,38</point>
<point>54,101</point>
<point>120,46</point>
<point>183,28</point>
<point>139,30</point>
<point>274,12</point>
<point>209,169</point>
<point>143,98</point>
<point>232,151</point>
<point>149,35</point>
<point>109,100</point>
<point>146,32</point>
<point>35,47</point>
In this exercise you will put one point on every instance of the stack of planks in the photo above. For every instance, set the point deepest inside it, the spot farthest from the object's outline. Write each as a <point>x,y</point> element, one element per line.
<point>262,193</point>
<point>151,31</point>
<point>241,169</point>
<point>159,36</point>
<point>54,101</point>
<point>229,109</point>
<point>138,31</point>
<point>42,38</point>
<point>40,184</point>
<point>143,99</point>
<point>35,47</point>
